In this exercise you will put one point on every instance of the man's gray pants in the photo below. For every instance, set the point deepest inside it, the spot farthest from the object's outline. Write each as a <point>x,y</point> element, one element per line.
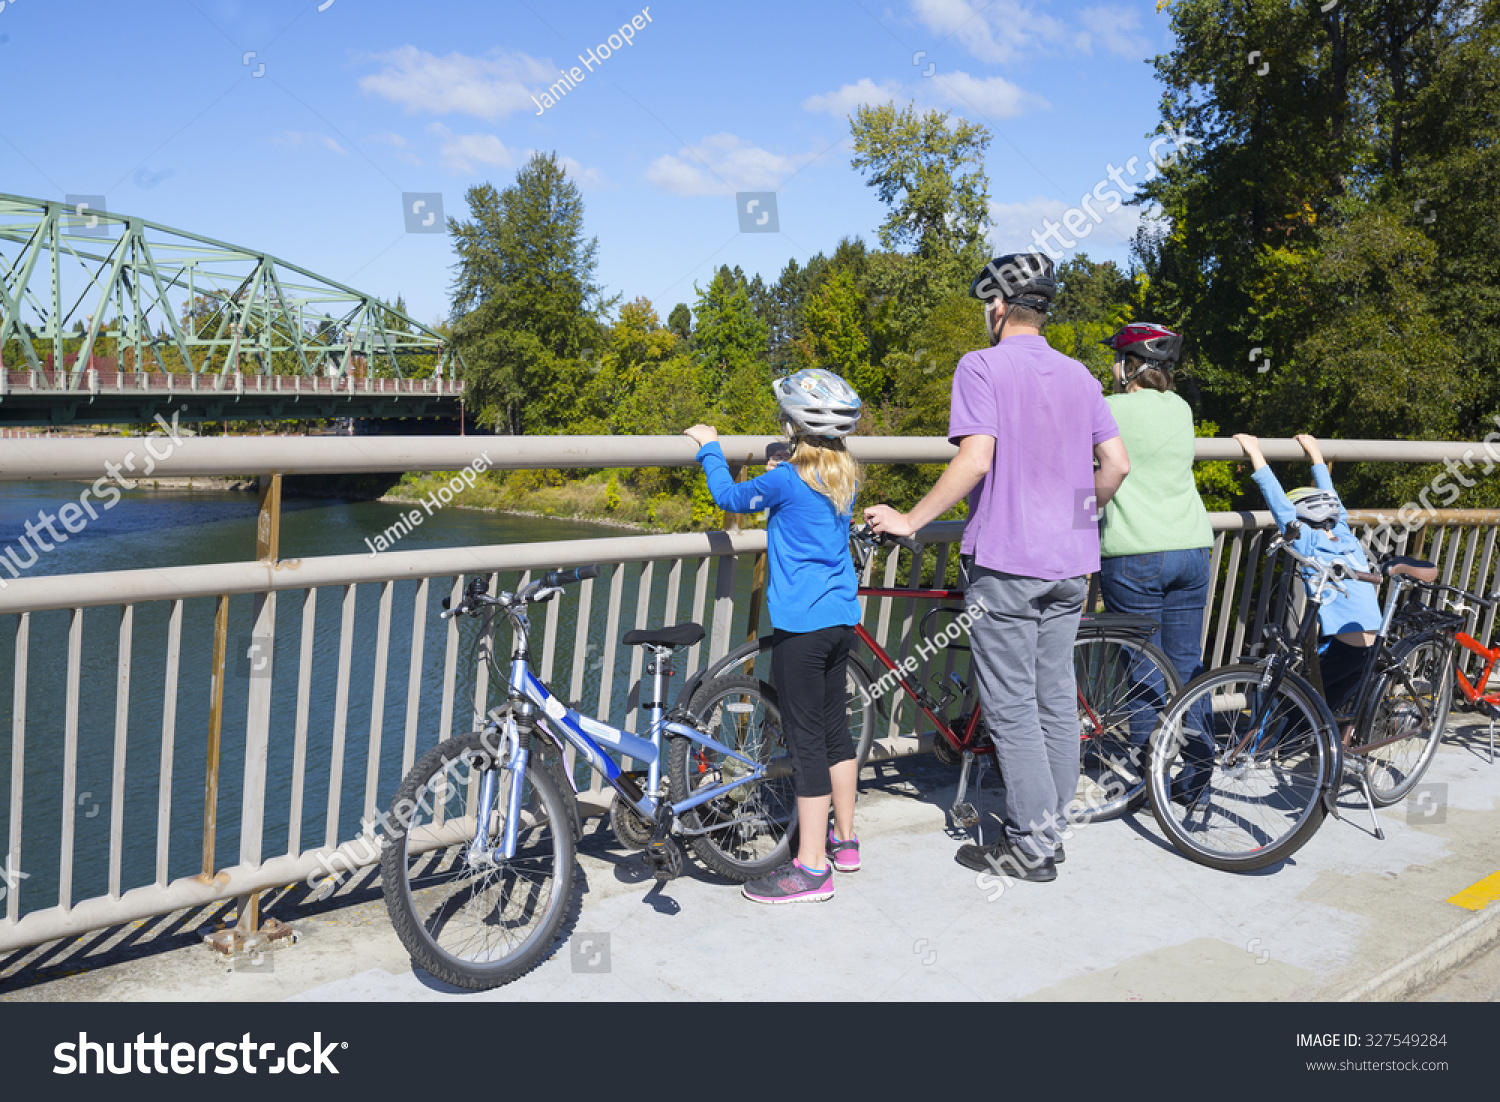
<point>1023,668</point>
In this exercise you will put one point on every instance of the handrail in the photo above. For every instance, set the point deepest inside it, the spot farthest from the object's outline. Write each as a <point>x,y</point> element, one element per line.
<point>75,458</point>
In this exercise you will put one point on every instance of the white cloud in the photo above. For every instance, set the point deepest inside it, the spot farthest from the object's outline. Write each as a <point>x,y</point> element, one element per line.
<point>587,179</point>
<point>1118,30</point>
<point>720,164</point>
<point>460,152</point>
<point>488,87</point>
<point>860,94</point>
<point>992,97</point>
<point>298,139</point>
<point>998,32</point>
<point>1089,227</point>
<point>399,144</point>
<point>1004,31</point>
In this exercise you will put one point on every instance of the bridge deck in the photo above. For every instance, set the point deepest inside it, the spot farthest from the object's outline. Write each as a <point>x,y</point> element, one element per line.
<point>1128,919</point>
<point>68,397</point>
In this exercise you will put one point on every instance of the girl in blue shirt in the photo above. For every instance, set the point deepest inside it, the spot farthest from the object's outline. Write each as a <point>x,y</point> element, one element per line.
<point>813,606</point>
<point>1349,621</point>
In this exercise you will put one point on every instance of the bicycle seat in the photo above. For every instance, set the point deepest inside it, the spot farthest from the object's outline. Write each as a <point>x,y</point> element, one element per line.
<point>1419,569</point>
<point>680,635</point>
<point>1131,624</point>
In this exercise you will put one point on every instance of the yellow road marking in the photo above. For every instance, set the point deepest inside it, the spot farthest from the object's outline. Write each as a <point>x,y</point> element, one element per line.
<point>1478,895</point>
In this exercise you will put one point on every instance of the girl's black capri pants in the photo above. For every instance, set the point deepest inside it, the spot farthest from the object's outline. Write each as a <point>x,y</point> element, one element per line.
<point>809,671</point>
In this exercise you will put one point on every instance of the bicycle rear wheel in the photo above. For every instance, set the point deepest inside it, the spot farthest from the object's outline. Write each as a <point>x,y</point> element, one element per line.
<point>476,924</point>
<point>747,831</point>
<point>1240,808</point>
<point>1124,687</point>
<point>1410,705</point>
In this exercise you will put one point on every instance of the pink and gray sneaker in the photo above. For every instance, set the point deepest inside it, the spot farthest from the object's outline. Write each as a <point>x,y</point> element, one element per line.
<point>843,856</point>
<point>792,883</point>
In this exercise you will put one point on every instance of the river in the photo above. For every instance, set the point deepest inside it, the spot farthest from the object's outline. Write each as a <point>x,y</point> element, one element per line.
<point>149,529</point>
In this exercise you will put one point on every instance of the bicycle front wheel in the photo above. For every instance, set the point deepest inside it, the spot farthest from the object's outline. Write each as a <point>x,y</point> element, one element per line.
<point>745,832</point>
<point>1124,687</point>
<point>1237,772</point>
<point>476,920</point>
<point>1406,717</point>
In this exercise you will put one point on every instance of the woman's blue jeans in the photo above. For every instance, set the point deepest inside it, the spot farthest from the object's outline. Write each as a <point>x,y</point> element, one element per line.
<point>1171,587</point>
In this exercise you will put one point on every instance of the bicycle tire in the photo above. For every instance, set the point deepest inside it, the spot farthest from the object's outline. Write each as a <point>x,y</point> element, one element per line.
<point>861,705</point>
<point>426,917</point>
<point>1298,743</point>
<point>1120,706</point>
<point>748,830</point>
<point>1423,663</point>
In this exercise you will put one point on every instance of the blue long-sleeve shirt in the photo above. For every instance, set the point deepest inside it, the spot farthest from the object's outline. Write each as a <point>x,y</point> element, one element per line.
<point>1360,610</point>
<point>812,579</point>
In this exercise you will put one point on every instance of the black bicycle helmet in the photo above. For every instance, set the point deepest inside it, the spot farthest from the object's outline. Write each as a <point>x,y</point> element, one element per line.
<point>1026,280</point>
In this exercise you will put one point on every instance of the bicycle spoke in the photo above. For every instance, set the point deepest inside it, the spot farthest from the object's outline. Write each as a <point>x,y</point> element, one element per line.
<point>1265,760</point>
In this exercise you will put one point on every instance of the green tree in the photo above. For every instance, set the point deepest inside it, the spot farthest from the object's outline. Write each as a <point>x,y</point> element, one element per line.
<point>1093,302</point>
<point>731,345</point>
<point>930,176</point>
<point>525,302</point>
<point>834,321</point>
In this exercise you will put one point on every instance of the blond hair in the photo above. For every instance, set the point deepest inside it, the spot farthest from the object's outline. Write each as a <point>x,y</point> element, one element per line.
<point>824,463</point>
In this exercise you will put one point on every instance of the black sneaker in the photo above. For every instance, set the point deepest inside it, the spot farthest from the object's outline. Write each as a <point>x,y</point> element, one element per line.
<point>1002,859</point>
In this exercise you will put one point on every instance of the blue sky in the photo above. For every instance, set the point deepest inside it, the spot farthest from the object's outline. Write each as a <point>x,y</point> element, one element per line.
<point>156,105</point>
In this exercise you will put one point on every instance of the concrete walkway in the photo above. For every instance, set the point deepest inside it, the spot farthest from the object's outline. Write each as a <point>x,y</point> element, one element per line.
<point>1127,919</point>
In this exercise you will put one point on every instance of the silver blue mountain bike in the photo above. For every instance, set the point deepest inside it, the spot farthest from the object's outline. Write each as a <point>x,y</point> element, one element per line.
<point>480,857</point>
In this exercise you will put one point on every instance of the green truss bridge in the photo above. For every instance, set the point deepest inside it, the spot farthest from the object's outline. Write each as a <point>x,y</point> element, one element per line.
<point>106,317</point>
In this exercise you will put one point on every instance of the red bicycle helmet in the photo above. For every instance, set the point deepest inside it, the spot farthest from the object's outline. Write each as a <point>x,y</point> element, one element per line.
<point>1149,341</point>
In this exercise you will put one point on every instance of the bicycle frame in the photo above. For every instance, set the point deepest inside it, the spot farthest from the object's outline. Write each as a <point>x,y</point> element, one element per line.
<point>919,695</point>
<point>1475,690</point>
<point>969,739</point>
<point>532,702</point>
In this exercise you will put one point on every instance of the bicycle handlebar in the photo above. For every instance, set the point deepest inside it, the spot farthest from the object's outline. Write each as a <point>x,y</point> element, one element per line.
<point>554,579</point>
<point>543,589</point>
<point>867,534</point>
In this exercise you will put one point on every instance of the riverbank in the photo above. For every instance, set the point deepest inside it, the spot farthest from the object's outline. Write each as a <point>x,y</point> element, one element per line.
<point>608,522</point>
<point>599,498</point>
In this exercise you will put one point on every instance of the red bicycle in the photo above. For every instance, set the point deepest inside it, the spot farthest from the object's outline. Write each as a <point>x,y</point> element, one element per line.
<point>1441,623</point>
<point>1124,682</point>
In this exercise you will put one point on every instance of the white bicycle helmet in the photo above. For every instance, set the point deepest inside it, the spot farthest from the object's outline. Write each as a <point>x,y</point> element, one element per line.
<point>1316,508</point>
<point>817,402</point>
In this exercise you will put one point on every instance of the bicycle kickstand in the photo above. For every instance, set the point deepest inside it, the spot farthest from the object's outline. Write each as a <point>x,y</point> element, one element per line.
<point>1364,786</point>
<point>964,813</point>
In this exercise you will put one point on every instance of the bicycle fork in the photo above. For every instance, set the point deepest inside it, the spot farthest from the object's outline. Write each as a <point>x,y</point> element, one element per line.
<point>479,852</point>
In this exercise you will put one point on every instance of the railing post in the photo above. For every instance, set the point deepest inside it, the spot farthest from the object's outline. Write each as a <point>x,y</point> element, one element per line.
<point>268,524</point>
<point>215,728</point>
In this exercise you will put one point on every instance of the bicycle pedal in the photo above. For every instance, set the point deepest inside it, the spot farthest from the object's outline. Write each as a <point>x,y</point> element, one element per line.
<point>665,858</point>
<point>965,814</point>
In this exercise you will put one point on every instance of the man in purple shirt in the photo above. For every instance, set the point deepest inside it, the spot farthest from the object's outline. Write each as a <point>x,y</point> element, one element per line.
<point>1029,423</point>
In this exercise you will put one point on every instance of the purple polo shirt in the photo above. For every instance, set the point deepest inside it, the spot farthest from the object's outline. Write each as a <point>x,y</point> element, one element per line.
<point>1034,513</point>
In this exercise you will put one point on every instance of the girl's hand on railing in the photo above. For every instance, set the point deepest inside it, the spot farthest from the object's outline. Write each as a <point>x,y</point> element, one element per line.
<point>1252,449</point>
<point>702,434</point>
<point>1310,446</point>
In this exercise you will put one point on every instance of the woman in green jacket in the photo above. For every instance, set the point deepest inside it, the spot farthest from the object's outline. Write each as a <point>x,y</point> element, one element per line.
<point>1155,537</point>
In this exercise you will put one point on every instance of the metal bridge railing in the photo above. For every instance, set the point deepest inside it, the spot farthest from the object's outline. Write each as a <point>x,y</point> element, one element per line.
<point>95,381</point>
<point>199,733</point>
